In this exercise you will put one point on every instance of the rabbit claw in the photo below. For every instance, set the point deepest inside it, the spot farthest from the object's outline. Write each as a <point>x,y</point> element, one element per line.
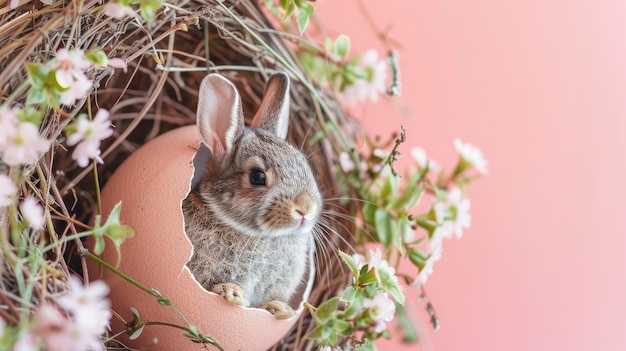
<point>232,293</point>
<point>279,309</point>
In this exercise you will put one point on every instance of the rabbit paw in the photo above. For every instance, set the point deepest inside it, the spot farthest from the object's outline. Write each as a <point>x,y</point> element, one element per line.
<point>279,309</point>
<point>232,293</point>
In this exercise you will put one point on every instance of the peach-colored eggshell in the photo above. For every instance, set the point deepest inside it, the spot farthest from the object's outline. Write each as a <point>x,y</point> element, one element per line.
<point>151,184</point>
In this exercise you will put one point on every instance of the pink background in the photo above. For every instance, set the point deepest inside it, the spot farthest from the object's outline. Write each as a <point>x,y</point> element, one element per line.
<point>540,87</point>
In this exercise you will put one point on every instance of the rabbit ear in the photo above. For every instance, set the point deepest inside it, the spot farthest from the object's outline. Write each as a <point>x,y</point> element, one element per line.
<point>273,114</point>
<point>219,116</point>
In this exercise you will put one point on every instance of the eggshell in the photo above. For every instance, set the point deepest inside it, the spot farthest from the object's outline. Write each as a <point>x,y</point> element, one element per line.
<point>151,184</point>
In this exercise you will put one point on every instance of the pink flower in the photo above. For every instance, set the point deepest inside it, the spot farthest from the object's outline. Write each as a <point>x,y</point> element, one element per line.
<point>8,125</point>
<point>25,146</point>
<point>373,84</point>
<point>7,190</point>
<point>70,74</point>
<point>117,62</point>
<point>88,136</point>
<point>32,212</point>
<point>118,11</point>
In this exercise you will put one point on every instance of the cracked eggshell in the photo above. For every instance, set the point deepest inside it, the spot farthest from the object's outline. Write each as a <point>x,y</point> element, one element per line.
<point>151,184</point>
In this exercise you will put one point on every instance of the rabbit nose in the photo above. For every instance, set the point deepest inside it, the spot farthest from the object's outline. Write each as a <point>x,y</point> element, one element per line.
<point>302,216</point>
<point>304,208</point>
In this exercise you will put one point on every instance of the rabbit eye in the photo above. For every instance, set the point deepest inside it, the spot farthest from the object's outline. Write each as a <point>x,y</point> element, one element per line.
<point>257,177</point>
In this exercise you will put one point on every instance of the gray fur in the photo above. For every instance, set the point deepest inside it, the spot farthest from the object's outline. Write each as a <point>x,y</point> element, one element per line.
<point>243,233</point>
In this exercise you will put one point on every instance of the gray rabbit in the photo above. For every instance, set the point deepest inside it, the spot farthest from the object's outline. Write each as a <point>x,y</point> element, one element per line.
<point>251,218</point>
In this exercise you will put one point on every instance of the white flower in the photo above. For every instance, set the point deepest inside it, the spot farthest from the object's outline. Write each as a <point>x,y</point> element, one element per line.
<point>88,306</point>
<point>427,270</point>
<point>419,155</point>
<point>77,90</point>
<point>374,84</point>
<point>7,190</point>
<point>460,207</point>
<point>32,212</point>
<point>88,136</point>
<point>443,224</point>
<point>359,260</point>
<point>471,155</point>
<point>70,69</point>
<point>26,342</point>
<point>25,146</point>
<point>118,11</point>
<point>380,153</point>
<point>345,161</point>
<point>86,151</point>
<point>59,333</point>
<point>377,261</point>
<point>381,309</point>
<point>67,64</point>
<point>8,125</point>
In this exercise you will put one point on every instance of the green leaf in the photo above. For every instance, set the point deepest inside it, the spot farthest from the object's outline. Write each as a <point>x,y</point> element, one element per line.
<point>99,245</point>
<point>148,9</point>
<point>369,212</point>
<point>285,3</point>
<point>30,114</point>
<point>387,189</point>
<point>417,257</point>
<point>316,334</point>
<point>350,262</point>
<point>342,46</point>
<point>136,333</point>
<point>342,327</point>
<point>97,57</point>
<point>112,229</point>
<point>368,346</point>
<point>349,294</point>
<point>290,10</point>
<point>38,74</point>
<point>303,19</point>
<point>367,276</point>
<point>36,96</point>
<point>306,8</point>
<point>354,304</point>
<point>318,136</point>
<point>397,235</point>
<point>383,226</point>
<point>405,324</point>
<point>116,231</point>
<point>390,285</point>
<point>326,310</point>
<point>439,193</point>
<point>411,194</point>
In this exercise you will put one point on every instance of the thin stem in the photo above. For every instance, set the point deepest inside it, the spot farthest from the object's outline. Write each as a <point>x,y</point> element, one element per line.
<point>162,299</point>
<point>67,239</point>
<point>98,260</point>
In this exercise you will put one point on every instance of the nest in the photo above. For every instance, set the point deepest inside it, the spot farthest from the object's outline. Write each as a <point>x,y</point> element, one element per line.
<point>237,39</point>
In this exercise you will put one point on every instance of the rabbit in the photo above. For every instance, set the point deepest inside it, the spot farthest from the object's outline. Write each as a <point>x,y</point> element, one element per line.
<point>252,216</point>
